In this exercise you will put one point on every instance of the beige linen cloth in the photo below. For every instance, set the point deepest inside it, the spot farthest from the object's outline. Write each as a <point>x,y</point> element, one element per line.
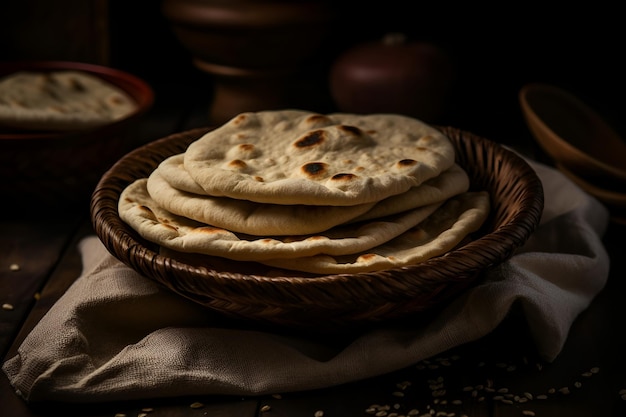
<point>116,335</point>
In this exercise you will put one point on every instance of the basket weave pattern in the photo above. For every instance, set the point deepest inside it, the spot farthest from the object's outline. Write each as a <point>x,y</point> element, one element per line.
<point>329,301</point>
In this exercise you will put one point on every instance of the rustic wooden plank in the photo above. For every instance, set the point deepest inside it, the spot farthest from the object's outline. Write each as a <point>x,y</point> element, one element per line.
<point>34,246</point>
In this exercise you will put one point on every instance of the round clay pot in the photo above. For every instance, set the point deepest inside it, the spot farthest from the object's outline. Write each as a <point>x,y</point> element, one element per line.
<point>393,75</point>
<point>256,50</point>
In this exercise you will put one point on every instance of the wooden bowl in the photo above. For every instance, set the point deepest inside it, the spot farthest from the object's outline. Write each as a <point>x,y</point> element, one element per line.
<point>60,168</point>
<point>574,135</point>
<point>250,293</point>
<point>615,201</point>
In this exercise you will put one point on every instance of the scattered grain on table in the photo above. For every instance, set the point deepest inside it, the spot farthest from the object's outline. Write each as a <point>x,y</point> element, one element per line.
<point>445,401</point>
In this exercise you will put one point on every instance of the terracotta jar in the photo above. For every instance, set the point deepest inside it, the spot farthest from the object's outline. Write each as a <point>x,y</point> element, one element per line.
<point>394,74</point>
<point>258,51</point>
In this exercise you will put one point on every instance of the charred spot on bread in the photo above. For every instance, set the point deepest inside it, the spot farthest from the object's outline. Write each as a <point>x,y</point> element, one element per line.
<point>318,120</point>
<point>315,169</point>
<point>237,164</point>
<point>211,230</point>
<point>311,139</point>
<point>352,130</point>
<point>343,176</point>
<point>246,147</point>
<point>407,163</point>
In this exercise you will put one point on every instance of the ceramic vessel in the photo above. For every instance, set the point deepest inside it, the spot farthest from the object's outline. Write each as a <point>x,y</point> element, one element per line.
<point>393,75</point>
<point>61,168</point>
<point>257,51</point>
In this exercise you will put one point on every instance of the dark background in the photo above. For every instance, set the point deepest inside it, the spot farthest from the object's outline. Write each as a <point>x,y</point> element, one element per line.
<point>495,49</point>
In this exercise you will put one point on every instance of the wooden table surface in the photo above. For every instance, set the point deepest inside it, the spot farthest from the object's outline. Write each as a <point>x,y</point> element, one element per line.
<point>498,375</point>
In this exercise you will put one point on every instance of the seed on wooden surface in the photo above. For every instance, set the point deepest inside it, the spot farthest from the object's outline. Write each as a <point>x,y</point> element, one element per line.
<point>578,384</point>
<point>265,408</point>
<point>120,415</point>
<point>142,415</point>
<point>564,390</point>
<point>277,396</point>
<point>594,370</point>
<point>196,404</point>
<point>398,394</point>
<point>439,393</point>
<point>7,306</point>
<point>542,397</point>
<point>403,385</point>
<point>319,413</point>
<point>14,267</point>
<point>147,409</point>
<point>528,412</point>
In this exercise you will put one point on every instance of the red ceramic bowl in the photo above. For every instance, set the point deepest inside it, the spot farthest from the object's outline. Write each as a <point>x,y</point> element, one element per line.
<point>60,168</point>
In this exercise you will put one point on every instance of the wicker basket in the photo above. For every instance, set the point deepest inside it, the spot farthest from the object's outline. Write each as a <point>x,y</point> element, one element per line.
<point>249,291</point>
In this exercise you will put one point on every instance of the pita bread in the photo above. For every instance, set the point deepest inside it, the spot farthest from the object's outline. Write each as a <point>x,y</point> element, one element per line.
<point>441,232</point>
<point>182,234</point>
<point>171,187</point>
<point>61,100</point>
<point>300,157</point>
<point>308,193</point>
<point>449,183</point>
<point>247,216</point>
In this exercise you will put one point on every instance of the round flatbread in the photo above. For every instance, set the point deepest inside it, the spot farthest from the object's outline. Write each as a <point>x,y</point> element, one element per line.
<point>449,183</point>
<point>61,100</point>
<point>248,217</point>
<point>441,232</point>
<point>182,234</point>
<point>300,157</point>
<point>171,187</point>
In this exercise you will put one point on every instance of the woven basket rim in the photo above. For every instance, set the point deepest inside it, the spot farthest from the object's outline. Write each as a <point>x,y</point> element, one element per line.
<point>457,268</point>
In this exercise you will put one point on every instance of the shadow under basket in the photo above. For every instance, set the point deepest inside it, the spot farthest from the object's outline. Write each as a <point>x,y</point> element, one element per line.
<point>254,294</point>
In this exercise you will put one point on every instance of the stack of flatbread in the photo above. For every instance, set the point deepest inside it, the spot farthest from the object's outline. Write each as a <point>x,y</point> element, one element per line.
<point>321,194</point>
<point>61,100</point>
